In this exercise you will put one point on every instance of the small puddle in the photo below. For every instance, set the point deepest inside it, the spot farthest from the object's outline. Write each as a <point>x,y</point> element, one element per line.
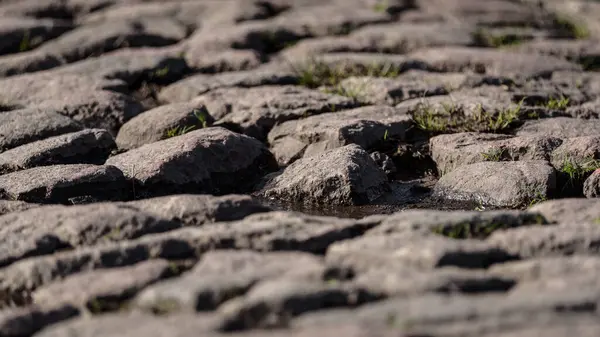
<point>405,195</point>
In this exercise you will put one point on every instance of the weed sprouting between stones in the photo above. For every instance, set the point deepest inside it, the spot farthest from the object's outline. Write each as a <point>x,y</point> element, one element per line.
<point>558,103</point>
<point>181,130</point>
<point>570,28</point>
<point>315,73</point>
<point>485,38</point>
<point>577,171</point>
<point>469,230</point>
<point>494,154</point>
<point>452,118</point>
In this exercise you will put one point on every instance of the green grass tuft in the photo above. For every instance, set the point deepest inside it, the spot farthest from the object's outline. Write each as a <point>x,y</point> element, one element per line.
<point>558,104</point>
<point>315,73</point>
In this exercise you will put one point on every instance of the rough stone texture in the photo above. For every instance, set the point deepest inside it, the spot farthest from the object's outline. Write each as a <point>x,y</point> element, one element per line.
<point>415,250</point>
<point>591,187</point>
<point>9,206</point>
<point>211,160</point>
<point>90,146</point>
<point>102,290</point>
<point>223,275</point>
<point>562,239</point>
<point>575,210</point>
<point>343,176</point>
<point>448,118</point>
<point>196,210</point>
<point>44,230</point>
<point>504,184</point>
<point>458,224</point>
<point>190,87</point>
<point>79,96</point>
<point>367,127</point>
<point>19,127</point>
<point>491,62</point>
<point>161,123</point>
<point>562,127</point>
<point>254,111</point>
<point>454,150</point>
<point>27,321</point>
<point>65,184</point>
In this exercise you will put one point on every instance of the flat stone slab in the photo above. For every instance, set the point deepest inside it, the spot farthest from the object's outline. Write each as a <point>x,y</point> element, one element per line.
<point>17,129</point>
<point>90,146</point>
<point>504,184</point>
<point>65,184</point>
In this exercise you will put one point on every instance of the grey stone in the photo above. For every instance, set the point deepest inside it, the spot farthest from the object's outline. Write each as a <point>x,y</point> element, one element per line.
<point>396,38</point>
<point>45,230</point>
<point>575,210</point>
<point>452,151</point>
<point>492,62</point>
<point>591,187</point>
<point>223,275</point>
<point>9,206</point>
<point>456,224</point>
<point>548,268</point>
<point>210,160</point>
<point>413,84</point>
<point>102,290</point>
<point>254,111</point>
<point>366,126</point>
<point>542,241</point>
<point>95,39</point>
<point>504,184</point>
<point>22,34</point>
<point>197,210</point>
<point>285,231</point>
<point>161,123</point>
<point>28,321</point>
<point>190,87</point>
<point>19,127</point>
<point>562,127</point>
<point>79,96</point>
<point>135,324</point>
<point>91,146</point>
<point>342,176</point>
<point>415,250</point>
<point>61,183</point>
<point>273,303</point>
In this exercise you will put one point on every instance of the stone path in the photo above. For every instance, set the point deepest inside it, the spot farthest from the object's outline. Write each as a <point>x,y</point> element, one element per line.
<point>299,168</point>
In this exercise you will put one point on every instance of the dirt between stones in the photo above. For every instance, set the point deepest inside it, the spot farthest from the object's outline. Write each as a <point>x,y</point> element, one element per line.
<point>299,168</point>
